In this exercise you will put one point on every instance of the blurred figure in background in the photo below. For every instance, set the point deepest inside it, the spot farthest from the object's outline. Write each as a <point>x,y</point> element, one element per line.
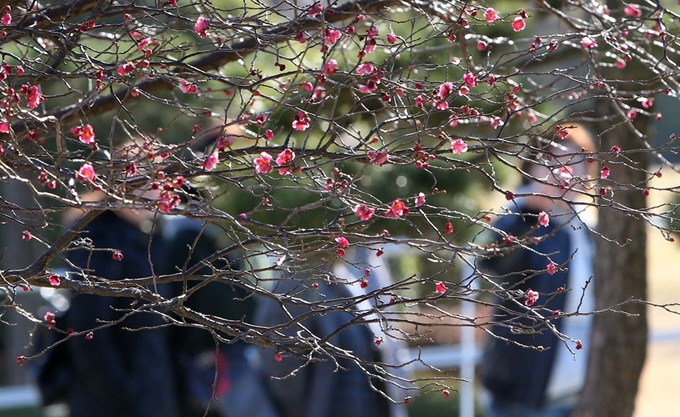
<point>523,381</point>
<point>195,354</point>
<point>118,372</point>
<point>211,375</point>
<point>319,388</point>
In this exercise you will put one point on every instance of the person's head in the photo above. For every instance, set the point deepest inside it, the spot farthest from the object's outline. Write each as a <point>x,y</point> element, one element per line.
<point>562,165</point>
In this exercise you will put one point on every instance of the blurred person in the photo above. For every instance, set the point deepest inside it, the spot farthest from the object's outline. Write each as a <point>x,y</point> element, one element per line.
<point>213,377</point>
<point>195,354</point>
<point>322,388</point>
<point>118,370</point>
<point>523,381</point>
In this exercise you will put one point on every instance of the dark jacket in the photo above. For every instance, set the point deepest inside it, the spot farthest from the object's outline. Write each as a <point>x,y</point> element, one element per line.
<point>191,243</point>
<point>319,388</point>
<point>118,372</point>
<point>516,375</point>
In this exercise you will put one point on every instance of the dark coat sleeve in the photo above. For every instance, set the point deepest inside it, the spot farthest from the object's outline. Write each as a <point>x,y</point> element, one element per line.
<point>515,374</point>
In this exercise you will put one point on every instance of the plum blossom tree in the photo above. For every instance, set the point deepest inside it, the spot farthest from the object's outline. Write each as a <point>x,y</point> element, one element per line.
<point>312,129</point>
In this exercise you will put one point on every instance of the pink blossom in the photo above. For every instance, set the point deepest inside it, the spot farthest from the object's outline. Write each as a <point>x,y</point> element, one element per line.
<point>6,19</point>
<point>372,32</point>
<point>285,158</point>
<point>224,142</point>
<point>551,268</point>
<point>442,105</point>
<point>369,47</point>
<point>620,63</point>
<point>391,38</point>
<point>330,67</point>
<point>300,36</point>
<point>481,45</point>
<point>363,212</point>
<point>331,36</point>
<point>445,90</point>
<point>470,80</point>
<point>315,10</point>
<point>564,173</point>
<point>588,42</point>
<point>268,134</point>
<point>54,280</point>
<point>167,201</point>
<point>646,102</point>
<point>604,173</point>
<point>26,235</point>
<point>211,161</point>
<point>543,219</point>
<point>201,26</point>
<point>6,70</point>
<point>420,200</point>
<point>366,69</point>
<point>464,90</point>
<point>518,24</point>
<point>459,146</point>
<point>126,68</point>
<point>263,164</point>
<point>633,10</point>
<point>34,97</point>
<point>397,209</point>
<point>448,228</point>
<point>143,44</point>
<point>490,15</point>
<point>51,319</point>
<point>85,134</point>
<point>301,122</point>
<point>342,242</point>
<point>377,157</point>
<point>187,87</point>
<point>495,122</point>
<point>370,87</point>
<point>531,298</point>
<point>563,133</point>
<point>307,86</point>
<point>440,287</point>
<point>86,172</point>
<point>318,94</point>
<point>4,127</point>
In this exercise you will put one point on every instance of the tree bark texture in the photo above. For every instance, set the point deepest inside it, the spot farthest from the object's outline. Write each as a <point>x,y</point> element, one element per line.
<point>618,345</point>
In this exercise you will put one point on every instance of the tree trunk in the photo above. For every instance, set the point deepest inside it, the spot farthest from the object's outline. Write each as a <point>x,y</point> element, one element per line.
<point>619,341</point>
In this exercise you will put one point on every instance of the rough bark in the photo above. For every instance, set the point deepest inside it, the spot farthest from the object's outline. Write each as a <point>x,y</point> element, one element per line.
<point>619,339</point>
